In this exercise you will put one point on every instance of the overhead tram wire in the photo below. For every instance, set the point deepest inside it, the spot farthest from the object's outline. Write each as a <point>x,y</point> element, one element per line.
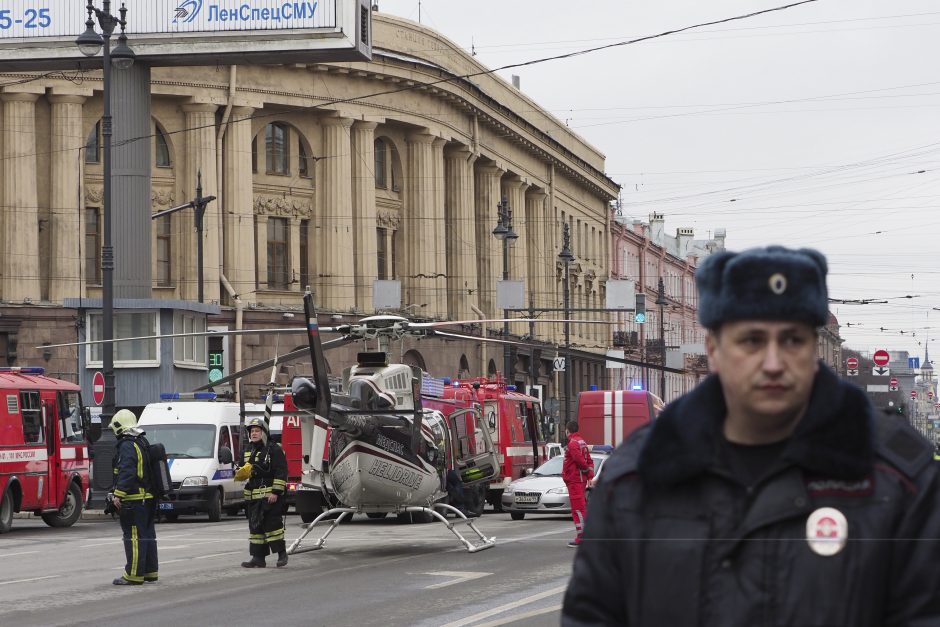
<point>450,79</point>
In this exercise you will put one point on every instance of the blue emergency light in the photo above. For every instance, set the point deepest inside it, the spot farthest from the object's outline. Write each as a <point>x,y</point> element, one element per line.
<point>24,370</point>
<point>177,396</point>
<point>636,387</point>
<point>511,388</point>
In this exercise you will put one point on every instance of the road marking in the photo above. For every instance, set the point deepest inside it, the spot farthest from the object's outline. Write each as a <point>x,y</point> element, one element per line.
<point>197,557</point>
<point>6,583</point>
<point>458,577</point>
<point>91,546</point>
<point>518,617</point>
<point>21,553</point>
<point>503,608</point>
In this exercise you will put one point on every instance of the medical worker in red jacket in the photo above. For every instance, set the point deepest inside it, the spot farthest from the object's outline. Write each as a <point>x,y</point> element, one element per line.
<point>577,473</point>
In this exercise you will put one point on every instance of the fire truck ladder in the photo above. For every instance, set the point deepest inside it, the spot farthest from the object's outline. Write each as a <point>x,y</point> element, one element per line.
<point>481,542</point>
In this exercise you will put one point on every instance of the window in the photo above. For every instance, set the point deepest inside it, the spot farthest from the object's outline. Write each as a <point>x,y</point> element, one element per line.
<point>70,417</point>
<point>394,270</point>
<point>277,253</point>
<point>381,164</point>
<point>381,253</point>
<point>225,440</point>
<point>304,254</point>
<point>162,156</point>
<point>92,246</point>
<point>164,267</point>
<point>93,145</point>
<point>277,149</point>
<point>395,165</point>
<point>32,418</point>
<point>189,351</point>
<point>303,161</point>
<point>126,324</point>
<point>254,155</point>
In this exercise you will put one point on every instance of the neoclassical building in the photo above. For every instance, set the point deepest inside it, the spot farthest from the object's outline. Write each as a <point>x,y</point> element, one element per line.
<point>332,175</point>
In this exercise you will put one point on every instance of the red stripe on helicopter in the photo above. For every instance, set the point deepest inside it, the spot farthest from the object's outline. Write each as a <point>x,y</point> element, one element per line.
<point>368,449</point>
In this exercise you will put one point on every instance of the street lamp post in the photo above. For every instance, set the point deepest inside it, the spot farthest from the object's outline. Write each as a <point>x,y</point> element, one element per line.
<point>505,233</point>
<point>566,257</point>
<point>90,42</point>
<point>661,301</point>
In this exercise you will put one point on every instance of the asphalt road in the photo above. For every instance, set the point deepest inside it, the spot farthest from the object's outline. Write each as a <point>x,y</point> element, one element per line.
<point>371,572</point>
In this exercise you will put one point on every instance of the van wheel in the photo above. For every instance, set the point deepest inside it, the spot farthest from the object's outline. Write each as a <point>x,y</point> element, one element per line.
<point>6,512</point>
<point>70,511</point>
<point>517,515</point>
<point>215,506</point>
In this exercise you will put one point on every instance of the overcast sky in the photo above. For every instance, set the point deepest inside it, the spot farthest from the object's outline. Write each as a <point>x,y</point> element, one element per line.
<point>816,126</point>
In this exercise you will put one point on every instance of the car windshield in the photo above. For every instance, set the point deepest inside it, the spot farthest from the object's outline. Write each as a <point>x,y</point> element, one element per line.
<point>552,468</point>
<point>183,441</point>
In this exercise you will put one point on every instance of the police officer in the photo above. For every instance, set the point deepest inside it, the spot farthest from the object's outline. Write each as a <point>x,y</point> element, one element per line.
<point>577,471</point>
<point>133,501</point>
<point>771,494</point>
<point>265,467</point>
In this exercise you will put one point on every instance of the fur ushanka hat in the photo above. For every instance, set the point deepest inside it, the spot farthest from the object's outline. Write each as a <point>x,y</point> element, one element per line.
<point>772,283</point>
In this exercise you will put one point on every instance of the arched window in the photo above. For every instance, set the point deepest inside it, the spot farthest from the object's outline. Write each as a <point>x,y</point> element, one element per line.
<point>162,149</point>
<point>93,145</point>
<point>381,164</point>
<point>303,161</point>
<point>277,148</point>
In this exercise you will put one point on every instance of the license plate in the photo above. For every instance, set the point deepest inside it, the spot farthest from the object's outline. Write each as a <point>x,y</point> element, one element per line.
<point>526,498</point>
<point>166,506</point>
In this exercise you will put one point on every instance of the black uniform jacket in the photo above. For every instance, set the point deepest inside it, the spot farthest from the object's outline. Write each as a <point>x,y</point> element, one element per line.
<point>269,470</point>
<point>674,539</point>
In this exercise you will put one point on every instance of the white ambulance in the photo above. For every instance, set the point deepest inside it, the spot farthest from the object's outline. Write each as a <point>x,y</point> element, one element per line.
<point>203,445</point>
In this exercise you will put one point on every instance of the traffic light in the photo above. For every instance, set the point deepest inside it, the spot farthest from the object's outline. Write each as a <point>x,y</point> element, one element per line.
<point>216,361</point>
<point>639,312</point>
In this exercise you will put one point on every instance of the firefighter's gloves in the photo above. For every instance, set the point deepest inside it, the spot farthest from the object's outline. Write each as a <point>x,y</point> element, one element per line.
<point>243,473</point>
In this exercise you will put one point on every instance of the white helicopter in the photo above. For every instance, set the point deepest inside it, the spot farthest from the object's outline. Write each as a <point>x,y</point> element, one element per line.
<point>371,447</point>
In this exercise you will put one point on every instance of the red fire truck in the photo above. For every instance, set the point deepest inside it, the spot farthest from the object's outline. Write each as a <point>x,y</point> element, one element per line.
<point>43,454</point>
<point>516,424</point>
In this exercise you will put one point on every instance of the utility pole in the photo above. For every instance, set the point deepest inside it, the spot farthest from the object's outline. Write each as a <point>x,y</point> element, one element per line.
<point>566,257</point>
<point>505,233</point>
<point>661,301</point>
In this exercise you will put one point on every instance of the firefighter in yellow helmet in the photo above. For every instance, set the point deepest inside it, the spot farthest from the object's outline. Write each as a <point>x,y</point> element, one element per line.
<point>133,501</point>
<point>265,467</point>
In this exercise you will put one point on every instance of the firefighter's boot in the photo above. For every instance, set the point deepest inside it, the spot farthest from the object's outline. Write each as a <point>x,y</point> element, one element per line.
<point>282,559</point>
<point>254,562</point>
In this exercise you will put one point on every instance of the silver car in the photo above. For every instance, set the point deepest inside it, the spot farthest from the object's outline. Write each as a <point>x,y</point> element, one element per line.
<point>544,491</point>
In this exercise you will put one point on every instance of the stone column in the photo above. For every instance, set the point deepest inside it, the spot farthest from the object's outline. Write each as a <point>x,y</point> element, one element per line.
<point>66,260</point>
<point>238,220</point>
<point>541,261</point>
<point>515,187</point>
<point>260,236</point>
<point>335,240</point>
<point>20,199</point>
<point>437,232</point>
<point>462,283</point>
<point>418,289</point>
<point>200,157</point>
<point>364,215</point>
<point>489,249</point>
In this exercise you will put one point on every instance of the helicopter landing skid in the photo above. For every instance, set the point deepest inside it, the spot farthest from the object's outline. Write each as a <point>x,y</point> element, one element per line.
<point>482,541</point>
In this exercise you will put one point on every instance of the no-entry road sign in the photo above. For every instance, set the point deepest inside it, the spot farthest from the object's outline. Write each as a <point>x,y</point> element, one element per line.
<point>851,363</point>
<point>893,382</point>
<point>881,357</point>
<point>97,388</point>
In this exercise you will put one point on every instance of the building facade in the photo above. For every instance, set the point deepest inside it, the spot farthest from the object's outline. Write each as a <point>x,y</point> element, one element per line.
<point>328,175</point>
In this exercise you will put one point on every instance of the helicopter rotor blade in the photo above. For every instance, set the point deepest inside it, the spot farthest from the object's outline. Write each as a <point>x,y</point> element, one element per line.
<point>448,323</point>
<point>141,338</point>
<point>295,355</point>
